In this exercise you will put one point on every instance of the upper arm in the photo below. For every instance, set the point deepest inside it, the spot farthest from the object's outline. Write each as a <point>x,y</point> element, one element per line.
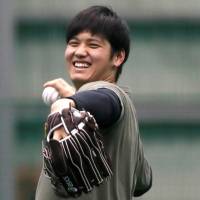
<point>102,103</point>
<point>143,174</point>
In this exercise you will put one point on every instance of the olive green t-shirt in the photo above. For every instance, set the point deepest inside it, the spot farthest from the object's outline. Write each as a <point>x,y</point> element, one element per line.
<point>131,172</point>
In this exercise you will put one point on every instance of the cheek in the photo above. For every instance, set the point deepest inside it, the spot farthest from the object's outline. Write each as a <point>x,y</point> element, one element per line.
<point>68,54</point>
<point>103,60</point>
<point>99,56</point>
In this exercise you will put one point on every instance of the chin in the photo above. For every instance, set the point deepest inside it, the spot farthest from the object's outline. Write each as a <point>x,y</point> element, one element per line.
<point>79,82</point>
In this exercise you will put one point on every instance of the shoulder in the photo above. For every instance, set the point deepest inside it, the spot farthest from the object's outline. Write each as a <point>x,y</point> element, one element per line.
<point>124,93</point>
<point>120,91</point>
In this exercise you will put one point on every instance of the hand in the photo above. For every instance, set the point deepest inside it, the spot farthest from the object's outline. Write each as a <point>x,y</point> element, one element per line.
<point>60,104</point>
<point>64,89</point>
<point>56,107</point>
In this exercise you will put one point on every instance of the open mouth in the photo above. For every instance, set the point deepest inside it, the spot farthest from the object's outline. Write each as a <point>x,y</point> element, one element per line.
<point>81,65</point>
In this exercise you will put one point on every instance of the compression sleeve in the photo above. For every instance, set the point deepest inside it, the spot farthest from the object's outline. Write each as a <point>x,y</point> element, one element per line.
<point>102,103</point>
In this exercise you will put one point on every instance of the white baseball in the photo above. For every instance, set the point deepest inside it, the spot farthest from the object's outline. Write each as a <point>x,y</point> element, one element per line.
<point>50,95</point>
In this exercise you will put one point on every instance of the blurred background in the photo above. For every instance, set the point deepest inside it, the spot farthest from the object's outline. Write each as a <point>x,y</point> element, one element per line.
<point>163,72</point>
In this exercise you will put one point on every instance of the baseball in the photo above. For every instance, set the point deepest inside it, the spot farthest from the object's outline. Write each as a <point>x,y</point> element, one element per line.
<point>50,95</point>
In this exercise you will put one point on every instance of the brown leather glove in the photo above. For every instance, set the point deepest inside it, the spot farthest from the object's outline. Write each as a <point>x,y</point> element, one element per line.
<point>78,161</point>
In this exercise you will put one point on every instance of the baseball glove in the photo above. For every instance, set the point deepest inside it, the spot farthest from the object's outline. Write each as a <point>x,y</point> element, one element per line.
<point>77,162</point>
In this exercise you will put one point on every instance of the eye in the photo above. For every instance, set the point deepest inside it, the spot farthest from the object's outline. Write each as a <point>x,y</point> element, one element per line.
<point>73,43</point>
<point>94,45</point>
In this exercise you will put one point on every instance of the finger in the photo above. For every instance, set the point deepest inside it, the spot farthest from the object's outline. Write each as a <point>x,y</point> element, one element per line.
<point>64,89</point>
<point>54,83</point>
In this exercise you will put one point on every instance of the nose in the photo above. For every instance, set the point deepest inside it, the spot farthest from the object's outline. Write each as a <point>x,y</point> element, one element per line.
<point>81,51</point>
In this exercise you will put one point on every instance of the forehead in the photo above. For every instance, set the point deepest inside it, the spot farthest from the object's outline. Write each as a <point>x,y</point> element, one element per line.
<point>89,35</point>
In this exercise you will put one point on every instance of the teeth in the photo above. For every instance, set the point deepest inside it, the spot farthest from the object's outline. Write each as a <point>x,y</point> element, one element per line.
<point>81,65</point>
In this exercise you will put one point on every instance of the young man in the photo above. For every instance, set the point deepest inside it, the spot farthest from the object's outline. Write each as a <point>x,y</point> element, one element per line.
<point>97,47</point>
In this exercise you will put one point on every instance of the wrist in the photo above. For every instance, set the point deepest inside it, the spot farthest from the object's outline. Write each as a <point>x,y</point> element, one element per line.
<point>60,104</point>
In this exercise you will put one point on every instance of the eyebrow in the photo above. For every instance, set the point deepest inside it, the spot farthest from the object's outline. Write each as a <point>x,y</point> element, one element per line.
<point>93,38</point>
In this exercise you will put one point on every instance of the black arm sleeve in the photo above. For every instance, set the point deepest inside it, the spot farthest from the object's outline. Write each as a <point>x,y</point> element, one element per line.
<point>102,103</point>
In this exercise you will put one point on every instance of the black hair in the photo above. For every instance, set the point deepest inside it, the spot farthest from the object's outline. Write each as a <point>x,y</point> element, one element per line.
<point>103,21</point>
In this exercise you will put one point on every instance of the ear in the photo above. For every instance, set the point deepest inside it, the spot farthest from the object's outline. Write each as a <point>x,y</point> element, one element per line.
<point>118,58</point>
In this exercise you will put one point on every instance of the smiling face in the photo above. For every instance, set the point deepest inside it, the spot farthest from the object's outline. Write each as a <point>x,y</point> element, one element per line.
<point>88,59</point>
